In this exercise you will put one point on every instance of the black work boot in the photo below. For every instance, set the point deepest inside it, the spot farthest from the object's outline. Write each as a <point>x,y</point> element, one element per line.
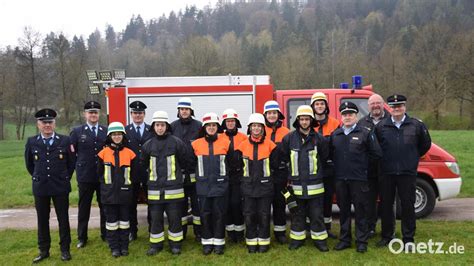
<point>207,249</point>
<point>321,245</point>
<point>263,248</point>
<point>116,253</point>
<point>281,237</point>
<point>219,249</point>
<point>295,244</point>
<point>154,249</point>
<point>252,248</point>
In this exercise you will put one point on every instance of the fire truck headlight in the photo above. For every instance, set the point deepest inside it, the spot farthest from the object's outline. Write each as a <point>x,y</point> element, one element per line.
<point>453,166</point>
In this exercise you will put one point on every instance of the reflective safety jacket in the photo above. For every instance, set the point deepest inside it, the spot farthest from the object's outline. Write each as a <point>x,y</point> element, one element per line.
<point>305,155</point>
<point>276,135</point>
<point>258,160</point>
<point>212,179</point>
<point>165,157</point>
<point>235,171</point>
<point>326,127</point>
<point>114,166</point>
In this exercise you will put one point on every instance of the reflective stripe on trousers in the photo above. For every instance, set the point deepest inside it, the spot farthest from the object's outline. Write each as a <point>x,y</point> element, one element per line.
<point>218,241</point>
<point>175,236</point>
<point>319,235</point>
<point>298,235</point>
<point>112,226</point>
<point>157,238</point>
<point>196,220</point>
<point>279,228</point>
<point>236,228</point>
<point>124,224</point>
<point>263,241</point>
<point>251,241</point>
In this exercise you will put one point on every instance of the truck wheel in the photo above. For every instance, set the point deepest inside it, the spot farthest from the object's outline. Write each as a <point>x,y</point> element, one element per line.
<point>424,202</point>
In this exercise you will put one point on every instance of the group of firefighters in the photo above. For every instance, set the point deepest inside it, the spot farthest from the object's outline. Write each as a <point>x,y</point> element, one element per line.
<point>223,180</point>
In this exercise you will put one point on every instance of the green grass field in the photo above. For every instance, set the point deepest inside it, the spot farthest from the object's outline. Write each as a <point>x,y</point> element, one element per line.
<point>15,190</point>
<point>19,248</point>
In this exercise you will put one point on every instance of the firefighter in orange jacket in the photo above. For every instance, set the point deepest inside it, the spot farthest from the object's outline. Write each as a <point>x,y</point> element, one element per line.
<point>166,156</point>
<point>325,126</point>
<point>212,183</point>
<point>258,158</point>
<point>235,220</point>
<point>115,187</point>
<point>275,131</point>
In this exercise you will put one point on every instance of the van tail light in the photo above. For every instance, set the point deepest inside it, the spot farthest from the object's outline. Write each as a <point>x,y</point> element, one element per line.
<point>453,166</point>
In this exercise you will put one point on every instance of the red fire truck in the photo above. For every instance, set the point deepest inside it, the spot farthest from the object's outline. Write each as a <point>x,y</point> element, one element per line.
<point>438,172</point>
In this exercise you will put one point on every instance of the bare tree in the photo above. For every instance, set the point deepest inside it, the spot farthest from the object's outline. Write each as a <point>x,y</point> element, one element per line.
<point>29,48</point>
<point>428,66</point>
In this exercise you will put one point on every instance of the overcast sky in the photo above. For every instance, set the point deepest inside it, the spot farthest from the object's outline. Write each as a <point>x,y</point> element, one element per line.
<point>80,17</point>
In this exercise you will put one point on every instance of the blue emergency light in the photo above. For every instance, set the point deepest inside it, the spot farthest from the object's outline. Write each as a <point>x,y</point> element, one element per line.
<point>357,82</point>
<point>344,85</point>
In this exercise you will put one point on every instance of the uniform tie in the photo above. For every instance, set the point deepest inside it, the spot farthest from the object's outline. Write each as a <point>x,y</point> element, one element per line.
<point>47,141</point>
<point>139,132</point>
<point>93,131</point>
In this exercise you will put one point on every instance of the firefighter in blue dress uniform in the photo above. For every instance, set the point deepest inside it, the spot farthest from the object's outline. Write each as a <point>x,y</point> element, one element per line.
<point>50,162</point>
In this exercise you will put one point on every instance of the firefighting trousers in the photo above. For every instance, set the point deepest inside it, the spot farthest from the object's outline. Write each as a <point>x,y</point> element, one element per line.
<point>355,192</point>
<point>313,208</point>
<point>136,188</point>
<point>43,208</point>
<point>191,198</point>
<point>117,223</point>
<point>405,186</point>
<point>173,211</point>
<point>213,211</point>
<point>235,218</point>
<point>279,209</point>
<point>86,193</point>
<point>329,188</point>
<point>257,220</point>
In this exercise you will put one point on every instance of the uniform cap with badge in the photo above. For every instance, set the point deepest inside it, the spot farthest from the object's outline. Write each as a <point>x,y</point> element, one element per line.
<point>46,115</point>
<point>348,107</point>
<point>396,99</point>
<point>137,106</point>
<point>92,106</point>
